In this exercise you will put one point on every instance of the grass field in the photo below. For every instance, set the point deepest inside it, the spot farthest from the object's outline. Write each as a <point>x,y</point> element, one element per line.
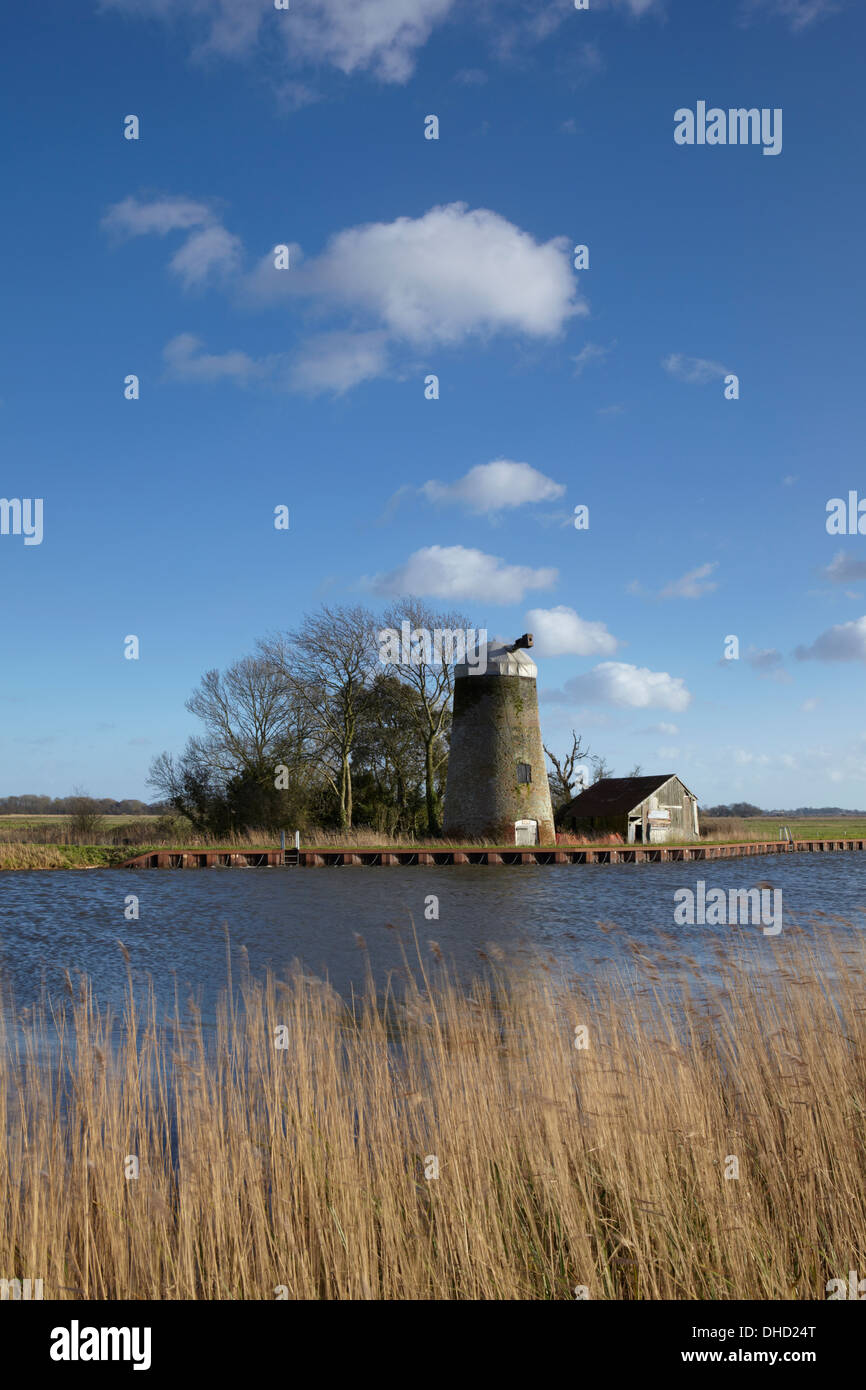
<point>34,822</point>
<point>43,842</point>
<point>761,828</point>
<point>447,1142</point>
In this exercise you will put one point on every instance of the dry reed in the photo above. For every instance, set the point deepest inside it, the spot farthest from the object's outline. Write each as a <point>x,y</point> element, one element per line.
<point>303,1169</point>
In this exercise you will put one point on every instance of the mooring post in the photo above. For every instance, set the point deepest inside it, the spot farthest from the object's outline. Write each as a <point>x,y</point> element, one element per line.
<point>283,841</point>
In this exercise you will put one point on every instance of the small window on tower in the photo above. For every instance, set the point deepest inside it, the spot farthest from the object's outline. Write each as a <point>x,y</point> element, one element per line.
<point>524,772</point>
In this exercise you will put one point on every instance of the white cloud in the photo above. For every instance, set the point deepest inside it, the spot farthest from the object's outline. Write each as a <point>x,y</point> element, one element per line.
<point>338,361</point>
<point>844,642</point>
<point>438,278</point>
<point>186,362</point>
<point>212,250</point>
<point>156,217</point>
<point>428,281</point>
<point>456,572</point>
<point>381,36</point>
<point>692,585</point>
<point>208,250</point>
<point>492,487</point>
<point>662,728</point>
<point>843,568</point>
<point>697,371</point>
<point>561,632</point>
<point>629,687</point>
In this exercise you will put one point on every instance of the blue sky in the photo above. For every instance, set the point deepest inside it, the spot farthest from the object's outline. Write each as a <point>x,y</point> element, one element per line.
<point>408,256</point>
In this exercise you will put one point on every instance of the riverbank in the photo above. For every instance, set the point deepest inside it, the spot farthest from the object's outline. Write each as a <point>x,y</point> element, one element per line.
<point>516,1137</point>
<point>435,854</point>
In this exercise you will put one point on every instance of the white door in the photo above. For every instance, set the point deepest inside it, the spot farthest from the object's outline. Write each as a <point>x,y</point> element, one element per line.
<point>526,832</point>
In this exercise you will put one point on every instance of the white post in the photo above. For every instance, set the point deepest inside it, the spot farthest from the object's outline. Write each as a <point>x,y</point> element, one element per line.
<point>297,839</point>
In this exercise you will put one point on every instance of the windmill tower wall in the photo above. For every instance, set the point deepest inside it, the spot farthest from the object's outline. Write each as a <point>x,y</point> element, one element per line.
<point>497,777</point>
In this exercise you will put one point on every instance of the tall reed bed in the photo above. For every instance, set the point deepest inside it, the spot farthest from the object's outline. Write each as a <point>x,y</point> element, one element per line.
<point>310,1170</point>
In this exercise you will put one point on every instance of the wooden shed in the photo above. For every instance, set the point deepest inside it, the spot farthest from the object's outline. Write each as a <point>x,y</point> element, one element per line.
<point>643,810</point>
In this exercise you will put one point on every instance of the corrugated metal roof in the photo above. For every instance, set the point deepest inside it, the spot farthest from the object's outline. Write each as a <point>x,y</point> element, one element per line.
<point>614,796</point>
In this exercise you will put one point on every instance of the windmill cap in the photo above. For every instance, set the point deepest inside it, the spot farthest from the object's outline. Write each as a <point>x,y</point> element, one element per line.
<point>499,658</point>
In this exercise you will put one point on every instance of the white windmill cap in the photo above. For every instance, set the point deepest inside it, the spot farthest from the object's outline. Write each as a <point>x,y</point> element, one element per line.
<point>500,658</point>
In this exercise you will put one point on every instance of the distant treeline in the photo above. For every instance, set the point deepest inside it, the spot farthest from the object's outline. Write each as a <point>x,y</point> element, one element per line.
<point>745,808</point>
<point>72,805</point>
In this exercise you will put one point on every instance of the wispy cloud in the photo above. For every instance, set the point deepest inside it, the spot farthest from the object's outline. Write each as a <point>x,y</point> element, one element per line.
<point>186,361</point>
<point>694,584</point>
<point>377,36</point>
<point>697,371</point>
<point>591,352</point>
<point>209,251</point>
<point>156,216</point>
<point>768,662</point>
<point>800,14</point>
<point>335,362</point>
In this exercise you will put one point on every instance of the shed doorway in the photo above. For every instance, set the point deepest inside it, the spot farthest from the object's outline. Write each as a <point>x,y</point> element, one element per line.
<point>526,832</point>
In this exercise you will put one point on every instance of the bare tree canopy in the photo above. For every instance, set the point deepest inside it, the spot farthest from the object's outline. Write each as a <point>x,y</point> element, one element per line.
<point>433,685</point>
<point>330,662</point>
<point>568,776</point>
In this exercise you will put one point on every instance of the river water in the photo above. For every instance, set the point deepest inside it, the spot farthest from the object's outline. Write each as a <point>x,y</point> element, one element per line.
<point>339,921</point>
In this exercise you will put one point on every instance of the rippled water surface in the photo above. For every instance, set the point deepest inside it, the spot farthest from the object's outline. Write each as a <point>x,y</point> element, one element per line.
<point>72,920</point>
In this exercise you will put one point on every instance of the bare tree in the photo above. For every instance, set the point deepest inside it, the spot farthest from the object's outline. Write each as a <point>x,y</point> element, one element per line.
<point>433,684</point>
<point>246,713</point>
<point>567,773</point>
<point>601,768</point>
<point>253,722</point>
<point>329,662</point>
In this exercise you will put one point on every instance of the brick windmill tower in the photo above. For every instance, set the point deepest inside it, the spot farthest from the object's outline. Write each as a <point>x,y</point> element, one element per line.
<point>497,786</point>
